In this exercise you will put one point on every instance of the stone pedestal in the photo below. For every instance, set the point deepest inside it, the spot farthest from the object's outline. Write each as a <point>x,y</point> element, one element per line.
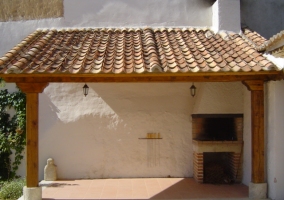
<point>32,193</point>
<point>258,190</point>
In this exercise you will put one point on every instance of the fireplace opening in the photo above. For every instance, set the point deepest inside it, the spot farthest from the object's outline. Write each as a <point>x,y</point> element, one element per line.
<point>219,129</point>
<point>216,127</point>
<point>218,168</point>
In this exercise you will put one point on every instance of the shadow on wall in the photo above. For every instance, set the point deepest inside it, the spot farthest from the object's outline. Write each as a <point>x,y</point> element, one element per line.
<point>97,136</point>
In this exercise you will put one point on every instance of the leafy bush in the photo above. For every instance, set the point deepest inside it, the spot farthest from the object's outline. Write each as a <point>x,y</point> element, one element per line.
<point>12,131</point>
<point>12,189</point>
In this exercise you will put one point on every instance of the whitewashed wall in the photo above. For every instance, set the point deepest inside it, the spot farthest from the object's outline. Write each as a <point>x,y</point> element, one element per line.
<point>97,136</point>
<point>219,98</point>
<point>275,138</point>
<point>117,13</point>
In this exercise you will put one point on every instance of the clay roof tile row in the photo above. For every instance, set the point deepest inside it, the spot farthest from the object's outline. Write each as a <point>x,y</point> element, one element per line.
<point>133,50</point>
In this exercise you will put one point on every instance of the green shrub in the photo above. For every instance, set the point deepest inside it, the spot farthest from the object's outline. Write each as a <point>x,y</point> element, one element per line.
<point>12,132</point>
<point>12,189</point>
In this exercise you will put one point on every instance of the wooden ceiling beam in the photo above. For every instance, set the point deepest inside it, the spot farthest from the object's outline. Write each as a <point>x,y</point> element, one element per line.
<point>196,77</point>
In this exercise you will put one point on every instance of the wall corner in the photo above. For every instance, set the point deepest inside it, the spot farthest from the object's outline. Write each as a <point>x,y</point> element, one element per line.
<point>226,16</point>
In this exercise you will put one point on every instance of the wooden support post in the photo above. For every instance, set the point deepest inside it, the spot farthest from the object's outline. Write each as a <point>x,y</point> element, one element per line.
<point>32,90</point>
<point>32,140</point>
<point>257,130</point>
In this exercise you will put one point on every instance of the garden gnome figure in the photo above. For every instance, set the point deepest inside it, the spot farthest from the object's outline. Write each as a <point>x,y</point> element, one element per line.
<point>50,171</point>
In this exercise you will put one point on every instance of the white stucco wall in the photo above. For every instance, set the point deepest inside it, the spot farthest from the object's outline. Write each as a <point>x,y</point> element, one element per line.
<point>226,16</point>
<point>219,98</point>
<point>97,136</point>
<point>117,13</point>
<point>275,147</point>
<point>11,33</point>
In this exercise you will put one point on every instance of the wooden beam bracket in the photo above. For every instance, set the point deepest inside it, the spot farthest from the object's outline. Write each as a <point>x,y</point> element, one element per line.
<point>254,85</point>
<point>32,87</point>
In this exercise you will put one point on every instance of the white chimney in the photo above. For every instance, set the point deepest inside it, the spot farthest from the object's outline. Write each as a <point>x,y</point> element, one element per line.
<point>226,16</point>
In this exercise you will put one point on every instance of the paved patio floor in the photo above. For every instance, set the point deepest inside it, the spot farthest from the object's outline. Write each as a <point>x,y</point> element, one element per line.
<point>140,188</point>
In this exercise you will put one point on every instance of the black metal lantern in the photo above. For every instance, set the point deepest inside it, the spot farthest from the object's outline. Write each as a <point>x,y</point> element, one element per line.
<point>85,89</point>
<point>193,90</point>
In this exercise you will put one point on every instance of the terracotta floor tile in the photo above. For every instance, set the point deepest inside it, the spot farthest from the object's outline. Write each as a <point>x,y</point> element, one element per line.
<point>124,190</point>
<point>111,182</point>
<point>109,192</point>
<point>92,195</point>
<point>124,195</point>
<point>150,188</point>
<point>139,196</point>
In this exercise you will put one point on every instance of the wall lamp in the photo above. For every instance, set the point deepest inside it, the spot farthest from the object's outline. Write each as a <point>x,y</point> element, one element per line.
<point>85,89</point>
<point>193,90</point>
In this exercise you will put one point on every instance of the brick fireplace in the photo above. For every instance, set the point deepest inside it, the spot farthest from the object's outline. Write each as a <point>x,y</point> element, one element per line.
<point>217,147</point>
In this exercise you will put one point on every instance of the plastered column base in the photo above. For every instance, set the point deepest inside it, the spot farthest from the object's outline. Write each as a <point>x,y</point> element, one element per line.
<point>32,193</point>
<point>258,190</point>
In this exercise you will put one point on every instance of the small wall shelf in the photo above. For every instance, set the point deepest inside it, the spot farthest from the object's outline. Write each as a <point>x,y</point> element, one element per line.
<point>152,136</point>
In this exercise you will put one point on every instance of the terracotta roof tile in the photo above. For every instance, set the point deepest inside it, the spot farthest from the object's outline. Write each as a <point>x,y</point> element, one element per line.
<point>253,37</point>
<point>133,51</point>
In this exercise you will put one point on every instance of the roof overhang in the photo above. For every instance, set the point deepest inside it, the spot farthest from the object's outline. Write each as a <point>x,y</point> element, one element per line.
<point>135,55</point>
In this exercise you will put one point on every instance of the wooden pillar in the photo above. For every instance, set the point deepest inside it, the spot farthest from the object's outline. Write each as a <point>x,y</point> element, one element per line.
<point>257,129</point>
<point>32,90</point>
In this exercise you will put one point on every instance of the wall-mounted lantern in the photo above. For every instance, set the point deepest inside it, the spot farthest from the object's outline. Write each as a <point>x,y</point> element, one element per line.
<point>193,90</point>
<point>85,89</point>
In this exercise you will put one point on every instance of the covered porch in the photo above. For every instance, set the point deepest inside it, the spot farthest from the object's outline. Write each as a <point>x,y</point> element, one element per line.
<point>164,55</point>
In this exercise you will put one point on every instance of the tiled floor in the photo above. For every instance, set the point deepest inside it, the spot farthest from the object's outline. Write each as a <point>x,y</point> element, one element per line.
<point>143,188</point>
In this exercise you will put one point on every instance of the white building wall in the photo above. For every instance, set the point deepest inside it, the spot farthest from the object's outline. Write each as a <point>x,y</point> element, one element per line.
<point>98,136</point>
<point>218,98</point>
<point>125,13</point>
<point>14,32</point>
<point>275,147</point>
<point>226,16</point>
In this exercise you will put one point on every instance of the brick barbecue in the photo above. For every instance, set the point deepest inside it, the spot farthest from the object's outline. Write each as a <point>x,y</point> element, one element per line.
<point>218,153</point>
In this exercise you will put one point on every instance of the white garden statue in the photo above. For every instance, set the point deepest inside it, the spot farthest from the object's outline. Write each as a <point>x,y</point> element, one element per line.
<point>50,170</point>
